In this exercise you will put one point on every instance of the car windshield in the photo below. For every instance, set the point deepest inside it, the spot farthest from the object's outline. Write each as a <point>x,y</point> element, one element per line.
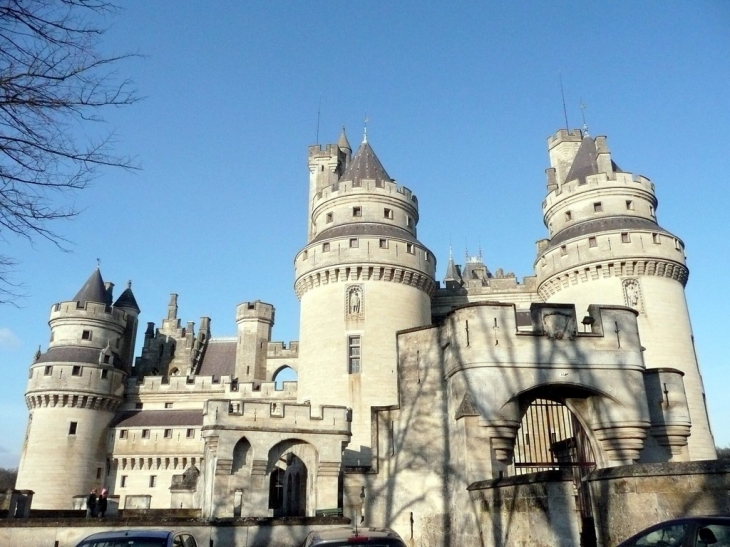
<point>125,542</point>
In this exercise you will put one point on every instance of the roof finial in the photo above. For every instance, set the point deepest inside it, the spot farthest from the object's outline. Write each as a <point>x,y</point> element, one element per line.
<point>583,111</point>
<point>98,263</point>
<point>129,284</point>
<point>365,131</point>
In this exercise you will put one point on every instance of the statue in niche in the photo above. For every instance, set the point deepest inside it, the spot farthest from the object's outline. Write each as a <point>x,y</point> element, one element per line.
<point>632,293</point>
<point>354,300</point>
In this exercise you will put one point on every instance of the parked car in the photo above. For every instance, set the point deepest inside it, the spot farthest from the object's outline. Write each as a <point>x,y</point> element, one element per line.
<point>684,532</point>
<point>139,538</point>
<point>349,537</point>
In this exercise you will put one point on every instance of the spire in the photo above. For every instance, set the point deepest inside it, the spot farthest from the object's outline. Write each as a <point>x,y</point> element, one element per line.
<point>93,290</point>
<point>127,299</point>
<point>365,165</point>
<point>452,272</point>
<point>343,142</point>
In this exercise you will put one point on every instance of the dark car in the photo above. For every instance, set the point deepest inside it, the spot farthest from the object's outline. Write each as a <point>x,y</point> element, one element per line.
<point>139,538</point>
<point>684,532</point>
<point>349,537</point>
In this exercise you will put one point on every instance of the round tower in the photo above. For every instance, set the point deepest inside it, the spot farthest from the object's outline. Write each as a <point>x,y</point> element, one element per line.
<point>362,276</point>
<point>74,388</point>
<point>606,247</point>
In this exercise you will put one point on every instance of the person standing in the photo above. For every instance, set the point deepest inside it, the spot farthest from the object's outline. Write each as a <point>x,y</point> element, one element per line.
<point>101,505</point>
<point>91,504</point>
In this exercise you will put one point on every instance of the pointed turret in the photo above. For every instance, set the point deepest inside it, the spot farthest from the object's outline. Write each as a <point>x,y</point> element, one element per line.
<point>365,165</point>
<point>452,280</point>
<point>93,290</point>
<point>127,300</point>
<point>343,143</point>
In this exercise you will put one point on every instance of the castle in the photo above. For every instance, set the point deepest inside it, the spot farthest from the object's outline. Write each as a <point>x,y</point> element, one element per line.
<point>411,395</point>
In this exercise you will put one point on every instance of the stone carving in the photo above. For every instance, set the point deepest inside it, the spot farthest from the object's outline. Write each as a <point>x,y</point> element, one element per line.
<point>632,294</point>
<point>354,303</point>
<point>557,325</point>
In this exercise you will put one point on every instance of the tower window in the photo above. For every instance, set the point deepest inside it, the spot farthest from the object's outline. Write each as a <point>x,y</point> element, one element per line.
<point>123,481</point>
<point>168,405</point>
<point>568,215</point>
<point>592,242</point>
<point>190,433</point>
<point>104,374</point>
<point>563,250</point>
<point>329,217</point>
<point>76,370</point>
<point>598,207</point>
<point>153,481</point>
<point>625,238</point>
<point>354,243</point>
<point>98,472</point>
<point>145,433</point>
<point>123,433</point>
<point>305,254</point>
<point>409,221</point>
<point>655,238</point>
<point>325,247</point>
<point>383,243</point>
<point>410,248</point>
<point>168,433</point>
<point>676,244</point>
<point>47,370</point>
<point>388,213</point>
<point>651,211</point>
<point>86,335</point>
<point>629,205</point>
<point>353,354</point>
<point>357,211</point>
<point>72,428</point>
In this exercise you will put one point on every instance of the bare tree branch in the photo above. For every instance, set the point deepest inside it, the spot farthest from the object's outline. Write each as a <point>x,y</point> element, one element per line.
<point>53,82</point>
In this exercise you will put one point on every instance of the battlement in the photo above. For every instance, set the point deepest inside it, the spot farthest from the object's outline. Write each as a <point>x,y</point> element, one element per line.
<point>623,181</point>
<point>89,310</point>
<point>256,310</point>
<point>323,150</point>
<point>563,135</point>
<point>275,416</point>
<point>279,350</point>
<point>391,189</point>
<point>225,385</point>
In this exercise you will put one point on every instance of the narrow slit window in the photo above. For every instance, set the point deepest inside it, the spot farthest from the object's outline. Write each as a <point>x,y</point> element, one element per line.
<point>123,481</point>
<point>153,481</point>
<point>72,427</point>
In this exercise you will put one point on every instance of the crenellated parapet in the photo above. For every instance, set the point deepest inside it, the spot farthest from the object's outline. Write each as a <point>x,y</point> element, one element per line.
<point>207,386</point>
<point>287,417</point>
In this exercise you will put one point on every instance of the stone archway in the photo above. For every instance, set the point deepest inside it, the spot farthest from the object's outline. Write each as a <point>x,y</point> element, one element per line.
<point>291,465</point>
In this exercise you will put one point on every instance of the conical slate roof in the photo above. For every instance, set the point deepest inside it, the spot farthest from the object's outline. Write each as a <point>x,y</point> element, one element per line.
<point>365,165</point>
<point>93,290</point>
<point>343,142</point>
<point>127,299</point>
<point>452,273</point>
<point>585,162</point>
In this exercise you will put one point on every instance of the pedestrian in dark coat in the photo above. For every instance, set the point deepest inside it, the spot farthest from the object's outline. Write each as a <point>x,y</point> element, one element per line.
<point>91,504</point>
<point>101,505</point>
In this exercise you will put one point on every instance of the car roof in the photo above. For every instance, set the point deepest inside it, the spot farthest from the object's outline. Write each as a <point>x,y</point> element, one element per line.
<point>332,534</point>
<point>130,533</point>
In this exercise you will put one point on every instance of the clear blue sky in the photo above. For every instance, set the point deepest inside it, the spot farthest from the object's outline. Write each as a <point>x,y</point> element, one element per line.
<point>461,97</point>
